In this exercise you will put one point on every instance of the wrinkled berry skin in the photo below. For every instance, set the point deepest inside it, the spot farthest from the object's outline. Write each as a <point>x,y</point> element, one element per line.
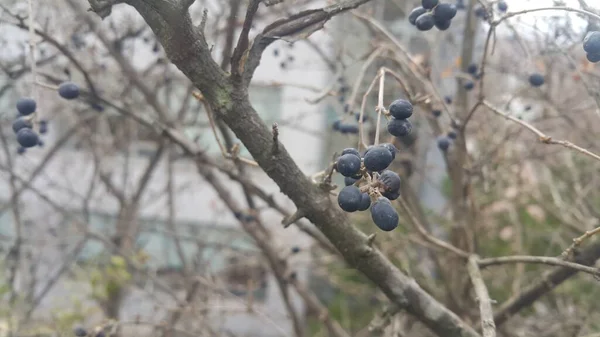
<point>415,13</point>
<point>401,109</point>
<point>429,4</point>
<point>399,127</point>
<point>425,22</point>
<point>26,106</point>
<point>365,202</point>
<point>536,80</point>
<point>443,143</point>
<point>444,12</point>
<point>591,43</point>
<point>21,123</point>
<point>27,138</point>
<point>377,158</point>
<point>349,198</point>
<point>384,215</point>
<point>348,165</point>
<point>391,180</point>
<point>68,90</point>
<point>392,149</point>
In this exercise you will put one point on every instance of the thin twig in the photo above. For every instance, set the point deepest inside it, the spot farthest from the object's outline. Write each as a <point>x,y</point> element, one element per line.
<point>578,241</point>
<point>485,303</point>
<point>553,261</point>
<point>542,136</point>
<point>380,108</point>
<point>426,235</point>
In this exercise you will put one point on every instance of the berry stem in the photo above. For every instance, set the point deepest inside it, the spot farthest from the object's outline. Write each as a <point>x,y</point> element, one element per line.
<point>380,106</point>
<point>32,49</point>
<point>361,141</point>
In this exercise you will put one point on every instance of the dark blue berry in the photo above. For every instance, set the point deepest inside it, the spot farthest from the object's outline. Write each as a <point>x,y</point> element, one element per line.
<point>384,215</point>
<point>401,109</point>
<point>460,4</point>
<point>377,158</point>
<point>452,134</point>
<point>399,127</point>
<point>443,143</point>
<point>68,90</point>
<point>349,198</point>
<point>21,123</point>
<point>336,125</point>
<point>536,80</point>
<point>442,25</point>
<point>472,68</point>
<point>80,332</point>
<point>469,85</point>
<point>27,137</point>
<point>594,58</point>
<point>295,249</point>
<point>21,150</point>
<point>350,181</point>
<point>429,4</point>
<point>391,195</point>
<point>436,112</point>
<point>502,6</point>
<point>392,149</point>
<point>444,12</point>
<point>26,106</point>
<point>448,100</point>
<point>43,128</point>
<point>365,202</point>
<point>481,12</point>
<point>591,43</point>
<point>348,128</point>
<point>365,117</point>
<point>96,106</point>
<point>425,22</point>
<point>40,143</point>
<point>351,151</point>
<point>527,107</point>
<point>348,165</point>
<point>415,13</point>
<point>391,180</point>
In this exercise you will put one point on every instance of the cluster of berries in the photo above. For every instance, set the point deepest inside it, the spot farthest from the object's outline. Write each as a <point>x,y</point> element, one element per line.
<point>23,126</point>
<point>368,182</point>
<point>591,46</point>
<point>431,14</point>
<point>367,179</point>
